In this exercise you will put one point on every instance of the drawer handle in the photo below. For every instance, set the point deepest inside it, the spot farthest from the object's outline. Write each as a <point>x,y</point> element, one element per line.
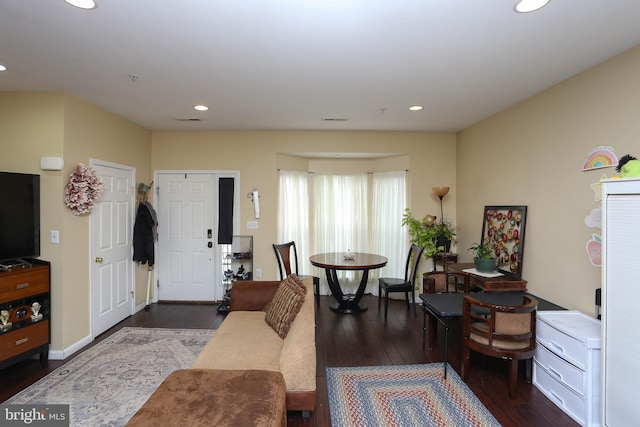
<point>558,398</point>
<point>22,341</point>
<point>22,285</point>
<point>556,373</point>
<point>557,346</point>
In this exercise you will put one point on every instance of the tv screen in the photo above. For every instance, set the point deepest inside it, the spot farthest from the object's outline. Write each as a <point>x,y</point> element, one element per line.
<point>19,216</point>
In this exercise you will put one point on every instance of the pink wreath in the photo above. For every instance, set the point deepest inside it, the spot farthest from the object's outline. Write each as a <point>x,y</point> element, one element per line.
<point>83,190</point>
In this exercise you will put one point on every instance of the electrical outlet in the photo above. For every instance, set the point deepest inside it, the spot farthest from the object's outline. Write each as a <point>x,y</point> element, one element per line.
<point>258,272</point>
<point>55,236</point>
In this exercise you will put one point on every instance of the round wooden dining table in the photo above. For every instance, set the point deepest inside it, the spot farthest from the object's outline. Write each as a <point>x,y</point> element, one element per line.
<point>334,261</point>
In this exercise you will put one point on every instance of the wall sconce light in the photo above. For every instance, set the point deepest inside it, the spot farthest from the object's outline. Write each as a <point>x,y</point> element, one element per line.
<point>440,192</point>
<point>255,198</point>
<point>51,163</point>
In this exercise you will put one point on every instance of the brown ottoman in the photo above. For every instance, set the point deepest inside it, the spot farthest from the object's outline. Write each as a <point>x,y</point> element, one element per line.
<point>211,397</point>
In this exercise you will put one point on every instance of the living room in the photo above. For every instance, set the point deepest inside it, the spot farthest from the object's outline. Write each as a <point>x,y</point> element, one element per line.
<point>543,170</point>
<point>531,154</point>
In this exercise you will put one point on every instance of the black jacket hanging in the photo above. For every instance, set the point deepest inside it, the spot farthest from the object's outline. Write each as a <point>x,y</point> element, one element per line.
<point>143,250</point>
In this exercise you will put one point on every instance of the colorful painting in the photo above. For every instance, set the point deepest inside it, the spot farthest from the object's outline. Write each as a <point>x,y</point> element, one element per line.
<point>600,157</point>
<point>503,229</point>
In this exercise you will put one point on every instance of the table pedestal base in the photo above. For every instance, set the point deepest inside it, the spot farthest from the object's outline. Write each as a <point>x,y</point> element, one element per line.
<point>348,305</point>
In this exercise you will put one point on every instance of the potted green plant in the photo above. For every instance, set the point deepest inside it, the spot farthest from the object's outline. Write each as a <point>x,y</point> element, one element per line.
<point>427,233</point>
<point>483,257</point>
<point>445,234</point>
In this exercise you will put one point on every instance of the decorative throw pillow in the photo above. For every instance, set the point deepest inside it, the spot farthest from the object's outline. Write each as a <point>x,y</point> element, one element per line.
<point>285,305</point>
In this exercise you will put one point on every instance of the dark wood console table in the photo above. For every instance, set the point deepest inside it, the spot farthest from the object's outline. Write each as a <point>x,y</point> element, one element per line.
<point>487,284</point>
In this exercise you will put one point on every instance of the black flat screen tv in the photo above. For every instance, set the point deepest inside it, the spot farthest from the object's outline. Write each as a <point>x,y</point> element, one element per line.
<point>19,216</point>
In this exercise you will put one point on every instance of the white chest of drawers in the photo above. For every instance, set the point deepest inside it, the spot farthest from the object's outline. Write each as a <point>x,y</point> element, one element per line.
<point>567,363</point>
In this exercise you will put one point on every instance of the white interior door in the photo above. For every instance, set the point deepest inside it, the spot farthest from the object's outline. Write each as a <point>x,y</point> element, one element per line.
<point>112,297</point>
<point>187,239</point>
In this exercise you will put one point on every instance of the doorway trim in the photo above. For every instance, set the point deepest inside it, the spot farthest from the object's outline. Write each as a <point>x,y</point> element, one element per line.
<point>132,309</point>
<point>220,173</point>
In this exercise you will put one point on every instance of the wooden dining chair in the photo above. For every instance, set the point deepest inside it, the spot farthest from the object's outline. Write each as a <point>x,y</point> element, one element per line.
<point>502,331</point>
<point>406,285</point>
<point>286,255</point>
<point>443,282</point>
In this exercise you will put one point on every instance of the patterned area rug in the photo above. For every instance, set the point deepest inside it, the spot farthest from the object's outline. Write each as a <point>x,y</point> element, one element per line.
<point>403,395</point>
<point>108,383</point>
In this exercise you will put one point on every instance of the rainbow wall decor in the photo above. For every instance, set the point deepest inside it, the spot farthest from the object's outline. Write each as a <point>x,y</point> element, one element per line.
<point>600,157</point>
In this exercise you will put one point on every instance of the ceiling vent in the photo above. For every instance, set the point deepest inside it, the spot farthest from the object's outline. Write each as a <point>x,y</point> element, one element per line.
<point>334,119</point>
<point>189,120</point>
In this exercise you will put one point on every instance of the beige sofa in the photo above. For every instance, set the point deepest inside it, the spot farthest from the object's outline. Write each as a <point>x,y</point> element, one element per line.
<point>246,341</point>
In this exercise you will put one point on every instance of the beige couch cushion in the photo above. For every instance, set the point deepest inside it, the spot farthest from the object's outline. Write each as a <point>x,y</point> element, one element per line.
<point>235,344</point>
<point>298,358</point>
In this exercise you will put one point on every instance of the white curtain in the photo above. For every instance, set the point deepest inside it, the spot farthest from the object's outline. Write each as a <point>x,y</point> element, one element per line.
<point>340,207</point>
<point>388,237</point>
<point>343,219</point>
<point>293,215</point>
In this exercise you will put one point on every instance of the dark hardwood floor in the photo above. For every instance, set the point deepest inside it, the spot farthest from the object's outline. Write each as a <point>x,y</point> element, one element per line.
<point>347,340</point>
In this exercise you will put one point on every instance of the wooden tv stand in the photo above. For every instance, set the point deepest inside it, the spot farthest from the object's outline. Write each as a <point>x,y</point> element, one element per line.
<point>20,287</point>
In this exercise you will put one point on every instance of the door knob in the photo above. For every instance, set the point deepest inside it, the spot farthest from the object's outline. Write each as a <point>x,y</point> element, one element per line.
<point>98,259</point>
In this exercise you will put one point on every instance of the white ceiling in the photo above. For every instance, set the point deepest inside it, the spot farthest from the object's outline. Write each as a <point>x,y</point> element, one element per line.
<point>287,64</point>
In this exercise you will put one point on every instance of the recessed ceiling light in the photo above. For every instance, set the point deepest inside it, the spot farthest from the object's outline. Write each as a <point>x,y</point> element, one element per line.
<point>200,107</point>
<point>335,119</point>
<point>525,6</point>
<point>2,68</point>
<point>416,107</point>
<point>83,4</point>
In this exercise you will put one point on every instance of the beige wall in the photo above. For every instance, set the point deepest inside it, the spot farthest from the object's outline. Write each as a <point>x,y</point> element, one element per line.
<point>93,133</point>
<point>38,124</point>
<point>429,157</point>
<point>532,154</point>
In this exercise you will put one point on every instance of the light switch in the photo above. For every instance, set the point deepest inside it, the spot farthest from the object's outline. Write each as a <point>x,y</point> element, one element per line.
<point>252,225</point>
<point>55,236</point>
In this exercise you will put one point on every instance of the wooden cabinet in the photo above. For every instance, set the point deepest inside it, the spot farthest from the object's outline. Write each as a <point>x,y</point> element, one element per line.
<point>20,288</point>
<point>620,300</point>
<point>567,363</point>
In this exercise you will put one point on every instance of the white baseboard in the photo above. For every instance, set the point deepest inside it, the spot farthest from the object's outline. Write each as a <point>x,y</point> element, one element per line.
<point>63,354</point>
<point>141,306</point>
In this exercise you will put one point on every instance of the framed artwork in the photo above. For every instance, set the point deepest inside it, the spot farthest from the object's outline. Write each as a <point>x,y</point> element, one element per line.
<point>503,228</point>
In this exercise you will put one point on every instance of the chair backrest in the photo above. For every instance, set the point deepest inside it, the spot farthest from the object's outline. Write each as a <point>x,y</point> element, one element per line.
<point>500,330</point>
<point>287,256</point>
<point>411,269</point>
<point>441,282</point>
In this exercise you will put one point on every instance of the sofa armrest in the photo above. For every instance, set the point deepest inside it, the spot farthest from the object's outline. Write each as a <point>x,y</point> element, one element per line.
<point>252,295</point>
